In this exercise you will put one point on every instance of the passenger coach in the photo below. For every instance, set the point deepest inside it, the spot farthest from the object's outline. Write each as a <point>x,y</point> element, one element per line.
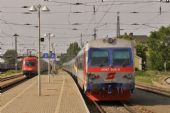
<point>104,69</point>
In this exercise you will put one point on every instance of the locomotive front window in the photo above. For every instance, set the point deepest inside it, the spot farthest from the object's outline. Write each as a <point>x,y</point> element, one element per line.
<point>121,57</point>
<point>99,58</point>
<point>29,63</point>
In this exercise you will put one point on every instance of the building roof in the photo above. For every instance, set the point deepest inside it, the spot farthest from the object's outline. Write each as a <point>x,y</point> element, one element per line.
<point>140,38</point>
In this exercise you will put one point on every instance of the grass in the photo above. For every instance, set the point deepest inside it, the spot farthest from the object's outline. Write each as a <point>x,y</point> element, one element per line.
<point>148,76</point>
<point>143,77</point>
<point>10,72</point>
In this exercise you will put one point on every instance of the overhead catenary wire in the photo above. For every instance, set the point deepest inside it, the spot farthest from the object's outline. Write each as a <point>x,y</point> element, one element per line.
<point>82,25</point>
<point>95,26</point>
<point>93,17</point>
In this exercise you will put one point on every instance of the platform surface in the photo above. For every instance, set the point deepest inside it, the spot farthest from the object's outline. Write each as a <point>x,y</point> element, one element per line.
<point>61,95</point>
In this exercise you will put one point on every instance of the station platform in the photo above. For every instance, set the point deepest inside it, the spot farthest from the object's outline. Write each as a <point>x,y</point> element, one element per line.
<point>61,95</point>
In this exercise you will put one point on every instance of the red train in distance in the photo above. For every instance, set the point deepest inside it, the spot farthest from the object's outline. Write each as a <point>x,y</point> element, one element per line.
<point>30,66</point>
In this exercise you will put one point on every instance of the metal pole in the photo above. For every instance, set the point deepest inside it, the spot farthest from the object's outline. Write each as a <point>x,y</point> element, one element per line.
<point>95,34</point>
<point>16,52</point>
<point>39,38</point>
<point>118,25</point>
<point>49,57</point>
<point>52,61</point>
<point>54,67</point>
<point>81,40</point>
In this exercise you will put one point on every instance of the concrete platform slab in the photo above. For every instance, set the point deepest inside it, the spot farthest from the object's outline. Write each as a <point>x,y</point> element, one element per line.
<point>61,95</point>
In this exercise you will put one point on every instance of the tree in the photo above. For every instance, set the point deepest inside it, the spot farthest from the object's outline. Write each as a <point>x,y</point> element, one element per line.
<point>72,51</point>
<point>141,49</point>
<point>126,36</point>
<point>63,58</point>
<point>159,48</point>
<point>10,56</point>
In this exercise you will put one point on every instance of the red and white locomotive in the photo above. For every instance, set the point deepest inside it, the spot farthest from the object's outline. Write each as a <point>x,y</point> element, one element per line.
<point>104,69</point>
<point>30,66</point>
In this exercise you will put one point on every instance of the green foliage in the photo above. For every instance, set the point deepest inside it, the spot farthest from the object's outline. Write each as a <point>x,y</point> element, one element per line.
<point>143,77</point>
<point>139,73</point>
<point>72,51</point>
<point>159,48</point>
<point>126,36</point>
<point>9,56</point>
<point>63,58</point>
<point>10,72</point>
<point>147,77</point>
<point>141,49</point>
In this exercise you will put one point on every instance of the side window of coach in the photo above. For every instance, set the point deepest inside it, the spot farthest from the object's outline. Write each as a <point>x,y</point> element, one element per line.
<point>81,62</point>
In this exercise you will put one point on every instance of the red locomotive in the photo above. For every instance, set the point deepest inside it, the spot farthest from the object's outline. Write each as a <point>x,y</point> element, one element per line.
<point>30,66</point>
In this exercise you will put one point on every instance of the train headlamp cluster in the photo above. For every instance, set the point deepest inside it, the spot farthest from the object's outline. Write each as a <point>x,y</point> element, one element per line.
<point>93,76</point>
<point>128,76</point>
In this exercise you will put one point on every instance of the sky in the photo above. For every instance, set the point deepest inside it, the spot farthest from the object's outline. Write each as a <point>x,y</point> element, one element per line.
<point>67,21</point>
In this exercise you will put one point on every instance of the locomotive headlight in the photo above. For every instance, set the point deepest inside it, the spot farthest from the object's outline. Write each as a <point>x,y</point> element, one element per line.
<point>128,76</point>
<point>93,76</point>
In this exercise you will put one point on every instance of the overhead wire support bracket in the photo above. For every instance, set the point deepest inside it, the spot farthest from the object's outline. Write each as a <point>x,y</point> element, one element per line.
<point>94,10</point>
<point>77,3</point>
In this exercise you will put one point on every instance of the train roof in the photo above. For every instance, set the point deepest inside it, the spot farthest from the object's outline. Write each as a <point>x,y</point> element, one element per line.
<point>30,58</point>
<point>109,42</point>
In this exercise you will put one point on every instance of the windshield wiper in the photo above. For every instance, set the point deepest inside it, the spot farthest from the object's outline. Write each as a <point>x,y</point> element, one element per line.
<point>125,63</point>
<point>101,65</point>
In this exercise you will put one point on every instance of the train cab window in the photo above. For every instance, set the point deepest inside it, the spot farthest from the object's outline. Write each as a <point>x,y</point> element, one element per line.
<point>121,57</point>
<point>99,58</point>
<point>29,63</point>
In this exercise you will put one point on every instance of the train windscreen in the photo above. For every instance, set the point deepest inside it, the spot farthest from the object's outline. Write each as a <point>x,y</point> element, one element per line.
<point>29,63</point>
<point>99,57</point>
<point>121,57</point>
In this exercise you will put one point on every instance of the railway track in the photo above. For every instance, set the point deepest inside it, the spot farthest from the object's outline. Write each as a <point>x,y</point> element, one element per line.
<point>122,106</point>
<point>153,89</point>
<point>119,107</point>
<point>125,106</point>
<point>10,80</point>
<point>114,107</point>
<point>99,108</point>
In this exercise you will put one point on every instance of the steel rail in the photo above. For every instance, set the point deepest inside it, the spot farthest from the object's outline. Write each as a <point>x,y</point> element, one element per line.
<point>98,107</point>
<point>153,89</point>
<point>129,109</point>
<point>10,77</point>
<point>8,81</point>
